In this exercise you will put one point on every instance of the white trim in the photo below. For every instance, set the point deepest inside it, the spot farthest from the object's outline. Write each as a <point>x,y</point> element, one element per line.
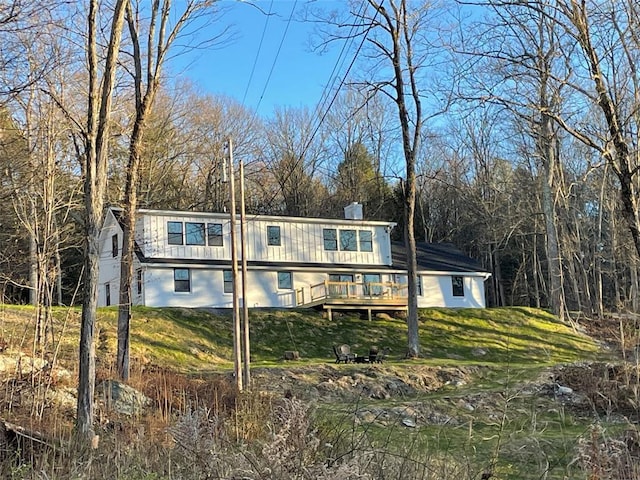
<point>225,216</point>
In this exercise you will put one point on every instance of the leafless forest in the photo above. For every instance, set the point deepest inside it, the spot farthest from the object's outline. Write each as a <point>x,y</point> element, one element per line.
<point>526,157</point>
<point>509,128</point>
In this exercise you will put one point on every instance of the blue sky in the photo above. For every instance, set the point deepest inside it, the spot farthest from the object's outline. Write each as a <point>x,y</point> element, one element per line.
<point>299,75</point>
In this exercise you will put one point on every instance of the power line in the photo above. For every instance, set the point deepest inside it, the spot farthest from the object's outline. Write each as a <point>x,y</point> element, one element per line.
<point>339,61</point>
<point>273,64</point>
<point>255,60</point>
<point>342,81</point>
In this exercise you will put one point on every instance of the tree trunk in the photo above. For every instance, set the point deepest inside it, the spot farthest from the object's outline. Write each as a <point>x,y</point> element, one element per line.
<point>556,294</point>
<point>128,250</point>
<point>413,338</point>
<point>97,134</point>
<point>402,53</point>
<point>617,152</point>
<point>159,40</point>
<point>534,266</point>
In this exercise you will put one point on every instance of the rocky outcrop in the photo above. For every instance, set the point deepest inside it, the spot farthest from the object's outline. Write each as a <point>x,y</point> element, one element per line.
<point>120,398</point>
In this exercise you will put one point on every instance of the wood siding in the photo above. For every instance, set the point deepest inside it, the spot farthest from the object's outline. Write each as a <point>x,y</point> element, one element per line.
<point>301,245</point>
<point>302,240</point>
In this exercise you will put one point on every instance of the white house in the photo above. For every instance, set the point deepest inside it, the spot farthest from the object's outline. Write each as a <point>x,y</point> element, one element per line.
<point>184,259</point>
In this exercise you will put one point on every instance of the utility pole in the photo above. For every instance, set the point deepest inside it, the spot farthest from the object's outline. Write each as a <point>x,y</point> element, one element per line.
<point>245,304</point>
<point>237,355</point>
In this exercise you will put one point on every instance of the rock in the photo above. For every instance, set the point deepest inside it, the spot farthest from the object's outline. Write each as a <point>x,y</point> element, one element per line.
<point>63,398</point>
<point>366,417</point>
<point>122,398</point>
<point>562,390</point>
<point>291,355</point>
<point>378,392</point>
<point>17,363</point>
<point>465,405</point>
<point>409,422</point>
<point>438,418</point>
<point>479,352</point>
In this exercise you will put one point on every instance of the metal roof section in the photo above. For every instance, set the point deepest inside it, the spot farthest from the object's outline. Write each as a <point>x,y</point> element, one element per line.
<point>436,257</point>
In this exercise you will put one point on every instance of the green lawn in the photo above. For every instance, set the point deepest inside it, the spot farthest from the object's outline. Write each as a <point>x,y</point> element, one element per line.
<point>195,340</point>
<point>487,423</point>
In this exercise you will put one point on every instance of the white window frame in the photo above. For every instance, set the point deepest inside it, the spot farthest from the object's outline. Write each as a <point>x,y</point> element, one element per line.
<point>273,240</point>
<point>289,283</point>
<point>179,282</point>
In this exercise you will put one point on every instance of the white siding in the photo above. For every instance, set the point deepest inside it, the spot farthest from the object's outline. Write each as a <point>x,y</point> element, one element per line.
<point>302,240</point>
<point>207,288</point>
<point>302,245</point>
<point>109,266</point>
<point>437,291</point>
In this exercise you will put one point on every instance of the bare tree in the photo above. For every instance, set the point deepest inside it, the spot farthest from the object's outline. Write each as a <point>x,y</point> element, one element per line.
<point>19,19</point>
<point>606,34</point>
<point>293,160</point>
<point>101,77</point>
<point>147,74</point>
<point>517,68</point>
<point>355,119</point>
<point>398,35</point>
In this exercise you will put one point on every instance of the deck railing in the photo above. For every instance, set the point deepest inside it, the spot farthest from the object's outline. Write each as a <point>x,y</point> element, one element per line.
<point>355,290</point>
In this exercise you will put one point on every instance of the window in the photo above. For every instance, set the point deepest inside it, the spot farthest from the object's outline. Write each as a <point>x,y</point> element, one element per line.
<point>348,240</point>
<point>181,280</point>
<point>457,283</point>
<point>227,278</point>
<point>273,235</point>
<point>214,234</point>
<point>285,280</point>
<point>195,233</point>
<point>340,277</point>
<point>366,241</point>
<point>403,281</point>
<point>107,294</point>
<point>139,282</point>
<point>372,284</point>
<point>175,233</point>
<point>330,239</point>
<point>339,284</point>
<point>114,245</point>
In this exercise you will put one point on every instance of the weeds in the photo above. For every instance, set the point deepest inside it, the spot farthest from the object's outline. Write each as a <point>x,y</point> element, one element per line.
<point>200,427</point>
<point>606,457</point>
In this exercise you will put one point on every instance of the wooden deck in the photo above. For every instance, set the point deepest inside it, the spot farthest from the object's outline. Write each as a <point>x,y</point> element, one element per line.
<point>369,297</point>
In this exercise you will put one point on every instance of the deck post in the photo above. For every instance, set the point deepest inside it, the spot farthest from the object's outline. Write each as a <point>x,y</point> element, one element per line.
<point>329,313</point>
<point>369,312</point>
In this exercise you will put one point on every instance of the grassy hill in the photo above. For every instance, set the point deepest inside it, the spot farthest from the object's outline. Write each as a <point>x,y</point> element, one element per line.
<point>479,401</point>
<point>191,340</point>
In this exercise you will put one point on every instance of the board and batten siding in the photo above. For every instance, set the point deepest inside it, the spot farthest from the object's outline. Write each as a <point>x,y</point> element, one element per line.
<point>302,240</point>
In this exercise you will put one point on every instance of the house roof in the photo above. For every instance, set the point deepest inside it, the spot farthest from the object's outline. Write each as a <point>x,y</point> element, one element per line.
<point>435,257</point>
